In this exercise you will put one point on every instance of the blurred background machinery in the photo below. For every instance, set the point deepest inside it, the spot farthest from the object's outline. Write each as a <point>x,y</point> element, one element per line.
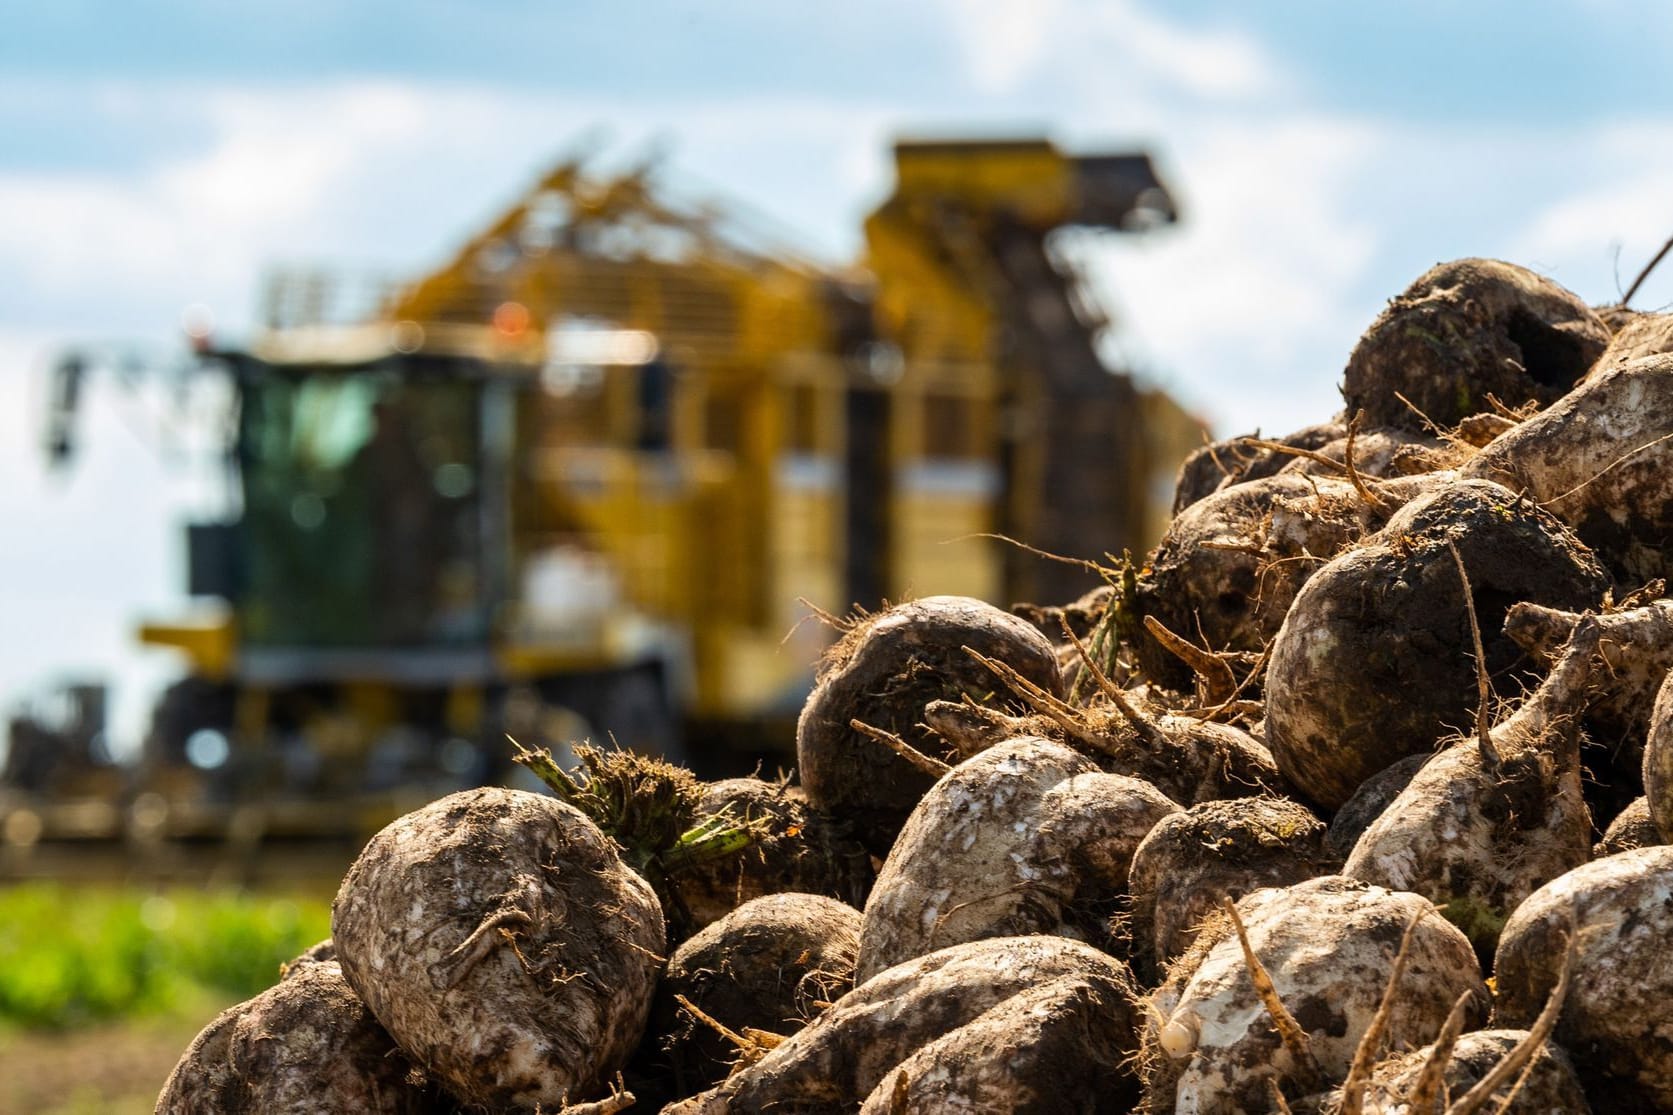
<point>583,478</point>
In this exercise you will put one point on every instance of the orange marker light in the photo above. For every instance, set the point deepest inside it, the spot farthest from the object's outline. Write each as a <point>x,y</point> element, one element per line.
<point>511,318</point>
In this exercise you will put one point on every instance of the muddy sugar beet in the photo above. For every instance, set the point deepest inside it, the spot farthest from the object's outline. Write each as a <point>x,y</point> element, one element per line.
<point>1615,916</point>
<point>1230,565</point>
<point>1330,945</point>
<point>1465,331</point>
<point>794,850</point>
<point>883,672</point>
<point>759,973</point>
<point>1488,821</point>
<point>1017,840</point>
<point>1372,661</point>
<point>501,941</point>
<point>839,1060</point>
<point>306,1044</point>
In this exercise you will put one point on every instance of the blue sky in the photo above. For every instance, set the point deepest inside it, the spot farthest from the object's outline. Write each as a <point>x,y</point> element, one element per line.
<point>154,155</point>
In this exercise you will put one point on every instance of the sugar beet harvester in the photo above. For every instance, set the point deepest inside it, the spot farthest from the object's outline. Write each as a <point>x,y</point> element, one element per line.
<point>577,480</point>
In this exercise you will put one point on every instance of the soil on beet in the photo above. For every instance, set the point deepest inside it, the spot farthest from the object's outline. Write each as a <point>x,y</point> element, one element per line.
<point>883,672</point>
<point>305,1043</point>
<point>1224,575</point>
<point>551,1003</point>
<point>1374,795</point>
<point>1191,861</point>
<point>771,965</point>
<point>1465,331</point>
<point>1067,1045</point>
<point>1373,662</point>
<point>1222,464</point>
<point>796,851</point>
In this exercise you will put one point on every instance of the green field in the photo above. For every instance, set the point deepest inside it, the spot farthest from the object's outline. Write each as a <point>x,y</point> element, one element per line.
<point>72,957</point>
<point>102,988</point>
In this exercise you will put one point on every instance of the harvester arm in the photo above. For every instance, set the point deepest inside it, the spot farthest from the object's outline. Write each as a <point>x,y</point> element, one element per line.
<point>967,227</point>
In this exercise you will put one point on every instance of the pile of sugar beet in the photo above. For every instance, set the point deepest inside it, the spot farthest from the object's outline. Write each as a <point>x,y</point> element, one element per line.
<point>1352,796</point>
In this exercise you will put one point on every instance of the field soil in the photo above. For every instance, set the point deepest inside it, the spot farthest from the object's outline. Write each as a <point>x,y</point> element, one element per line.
<point>111,1069</point>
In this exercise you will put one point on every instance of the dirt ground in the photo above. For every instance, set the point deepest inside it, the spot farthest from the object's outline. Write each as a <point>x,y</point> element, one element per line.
<point>114,1069</point>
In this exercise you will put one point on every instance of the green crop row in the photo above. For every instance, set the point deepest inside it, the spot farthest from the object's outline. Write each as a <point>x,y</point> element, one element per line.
<point>74,955</point>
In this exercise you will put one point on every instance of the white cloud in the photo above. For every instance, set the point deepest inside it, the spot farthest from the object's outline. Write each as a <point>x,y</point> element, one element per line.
<point>1003,42</point>
<point>201,226</point>
<point>1208,62</point>
<point>1234,303</point>
<point>279,156</point>
<point>388,174</point>
<point>1601,234</point>
<point>1006,43</point>
<point>63,229</point>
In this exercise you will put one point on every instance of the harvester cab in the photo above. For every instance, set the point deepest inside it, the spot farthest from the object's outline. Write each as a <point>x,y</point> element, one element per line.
<point>395,602</point>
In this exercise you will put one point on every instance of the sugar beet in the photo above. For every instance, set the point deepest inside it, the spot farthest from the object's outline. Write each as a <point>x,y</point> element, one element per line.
<point>500,939</point>
<point>1004,845</point>
<point>1329,945</point>
<point>830,1067</point>
<point>1466,330</point>
<point>883,672</point>
<point>1618,912</point>
<point>305,1045</point>
<point>1373,661</point>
